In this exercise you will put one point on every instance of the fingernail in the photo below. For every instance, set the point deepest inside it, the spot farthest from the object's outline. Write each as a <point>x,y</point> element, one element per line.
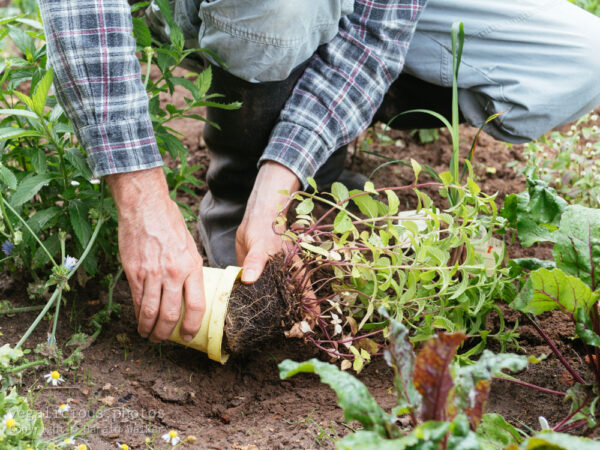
<point>187,337</point>
<point>249,276</point>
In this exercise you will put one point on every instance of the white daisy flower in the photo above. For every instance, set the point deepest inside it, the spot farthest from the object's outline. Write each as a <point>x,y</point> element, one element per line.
<point>63,408</point>
<point>67,442</point>
<point>122,446</point>
<point>82,447</point>
<point>54,378</point>
<point>8,421</point>
<point>172,437</point>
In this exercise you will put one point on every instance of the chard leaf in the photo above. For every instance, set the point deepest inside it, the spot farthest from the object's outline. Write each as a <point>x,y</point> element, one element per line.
<point>473,381</point>
<point>577,249</point>
<point>549,440</point>
<point>401,358</point>
<point>432,376</point>
<point>353,396</point>
<point>547,290</point>
<point>496,433</point>
<point>535,213</point>
<point>370,440</point>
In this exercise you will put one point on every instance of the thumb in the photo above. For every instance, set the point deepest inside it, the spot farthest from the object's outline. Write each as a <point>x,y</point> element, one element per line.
<point>254,264</point>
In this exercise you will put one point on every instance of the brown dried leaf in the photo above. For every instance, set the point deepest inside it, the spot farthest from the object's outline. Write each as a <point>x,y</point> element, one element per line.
<point>432,374</point>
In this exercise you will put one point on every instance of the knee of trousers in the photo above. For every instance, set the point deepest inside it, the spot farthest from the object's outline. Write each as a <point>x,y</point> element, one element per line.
<point>264,41</point>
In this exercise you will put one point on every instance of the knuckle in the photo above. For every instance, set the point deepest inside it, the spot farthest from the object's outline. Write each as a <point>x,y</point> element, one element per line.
<point>195,305</point>
<point>170,316</point>
<point>149,311</point>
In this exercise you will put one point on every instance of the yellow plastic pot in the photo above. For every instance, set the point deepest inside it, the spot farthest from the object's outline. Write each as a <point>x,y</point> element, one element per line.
<point>217,288</point>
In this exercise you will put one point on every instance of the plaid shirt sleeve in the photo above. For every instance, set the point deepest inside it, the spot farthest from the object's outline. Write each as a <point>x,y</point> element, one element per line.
<point>97,80</point>
<point>343,85</point>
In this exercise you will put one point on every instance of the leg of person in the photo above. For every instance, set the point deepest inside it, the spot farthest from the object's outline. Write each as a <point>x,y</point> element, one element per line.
<point>537,61</point>
<point>266,46</point>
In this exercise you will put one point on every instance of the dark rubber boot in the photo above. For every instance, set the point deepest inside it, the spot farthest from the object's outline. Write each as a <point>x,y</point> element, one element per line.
<point>234,153</point>
<point>407,93</point>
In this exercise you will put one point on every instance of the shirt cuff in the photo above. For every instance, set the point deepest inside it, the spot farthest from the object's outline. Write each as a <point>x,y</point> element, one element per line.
<point>116,147</point>
<point>297,148</point>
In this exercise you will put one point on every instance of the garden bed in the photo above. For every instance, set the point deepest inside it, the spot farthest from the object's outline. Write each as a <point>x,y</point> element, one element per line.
<point>147,389</point>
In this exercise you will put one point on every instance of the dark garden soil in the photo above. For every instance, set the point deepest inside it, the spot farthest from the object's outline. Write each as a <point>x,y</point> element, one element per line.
<point>147,389</point>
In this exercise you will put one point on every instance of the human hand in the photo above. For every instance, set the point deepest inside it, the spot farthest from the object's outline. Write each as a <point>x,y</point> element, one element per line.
<point>159,255</point>
<point>256,238</point>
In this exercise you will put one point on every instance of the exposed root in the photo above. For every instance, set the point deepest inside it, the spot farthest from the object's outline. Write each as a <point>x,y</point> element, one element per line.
<point>259,311</point>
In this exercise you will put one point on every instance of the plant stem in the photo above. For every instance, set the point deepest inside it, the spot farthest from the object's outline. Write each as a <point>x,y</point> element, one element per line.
<point>532,386</point>
<point>53,335</point>
<point>37,362</point>
<point>555,350</point>
<point>39,317</point>
<point>111,289</point>
<point>8,222</point>
<point>22,309</point>
<point>30,231</point>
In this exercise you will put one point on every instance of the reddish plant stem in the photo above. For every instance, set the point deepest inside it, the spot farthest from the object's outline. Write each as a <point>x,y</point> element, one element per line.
<point>532,386</point>
<point>559,355</point>
<point>570,416</point>
<point>574,426</point>
<point>330,351</point>
<point>350,339</point>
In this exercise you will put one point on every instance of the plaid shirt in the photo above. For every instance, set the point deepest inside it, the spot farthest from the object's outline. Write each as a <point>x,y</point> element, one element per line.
<point>98,82</point>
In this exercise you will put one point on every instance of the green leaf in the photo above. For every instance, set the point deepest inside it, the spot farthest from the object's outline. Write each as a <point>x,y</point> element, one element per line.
<point>203,82</point>
<point>353,396</point>
<point>417,168</point>
<point>366,205</point>
<point>22,40</point>
<point>342,223</point>
<point>532,263</point>
<point>40,94</point>
<point>496,433</point>
<point>38,160</point>
<point>77,160</point>
<point>78,213</point>
<point>8,178</point>
<point>584,329</point>
<point>13,133</point>
<point>577,249</point>
<point>535,213</point>
<point>393,202</point>
<point>547,290</point>
<point>549,440</point>
<point>367,440</point>
<point>305,207</point>
<point>28,187</point>
<point>339,191</point>
<point>141,32</point>
<point>19,112</point>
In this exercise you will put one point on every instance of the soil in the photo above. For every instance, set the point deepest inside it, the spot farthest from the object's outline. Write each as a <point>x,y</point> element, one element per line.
<point>136,390</point>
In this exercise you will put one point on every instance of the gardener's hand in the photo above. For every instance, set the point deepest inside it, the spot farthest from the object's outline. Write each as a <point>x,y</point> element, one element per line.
<point>256,240</point>
<point>158,254</point>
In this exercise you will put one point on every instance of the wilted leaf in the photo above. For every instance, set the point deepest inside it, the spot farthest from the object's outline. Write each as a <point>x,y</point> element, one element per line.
<point>353,396</point>
<point>432,374</point>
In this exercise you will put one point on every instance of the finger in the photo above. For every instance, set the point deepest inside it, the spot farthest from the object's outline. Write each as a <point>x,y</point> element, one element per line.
<point>150,305</point>
<point>194,305</point>
<point>241,249</point>
<point>137,288</point>
<point>170,310</point>
<point>254,264</point>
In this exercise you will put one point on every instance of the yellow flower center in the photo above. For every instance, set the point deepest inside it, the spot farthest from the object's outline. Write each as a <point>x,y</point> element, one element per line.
<point>62,406</point>
<point>172,434</point>
<point>124,447</point>
<point>68,441</point>
<point>55,375</point>
<point>82,447</point>
<point>10,422</point>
